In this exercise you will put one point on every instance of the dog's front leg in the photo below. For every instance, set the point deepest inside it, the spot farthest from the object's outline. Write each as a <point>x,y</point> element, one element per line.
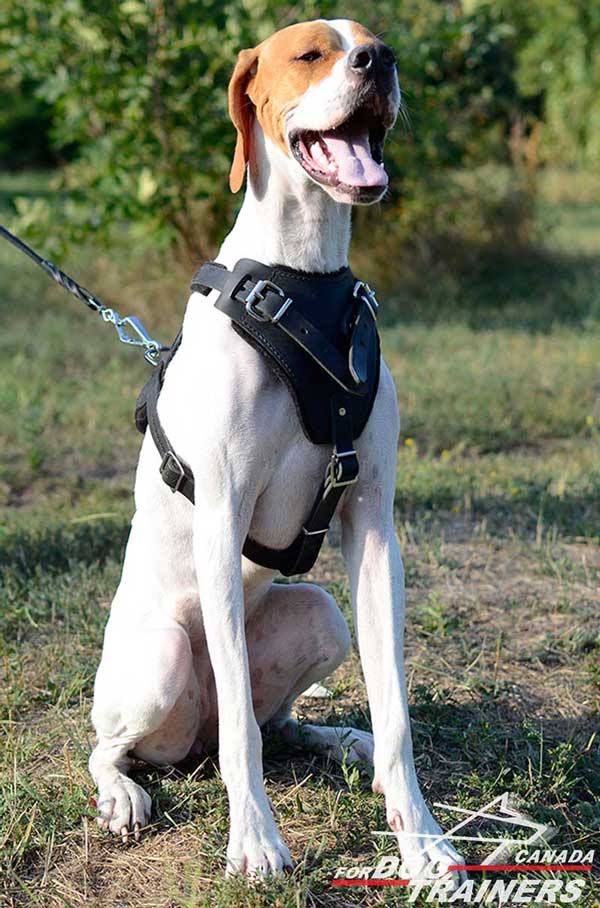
<point>377,580</point>
<point>255,846</point>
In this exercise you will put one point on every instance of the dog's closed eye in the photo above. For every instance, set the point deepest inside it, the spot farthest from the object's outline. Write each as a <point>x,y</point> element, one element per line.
<point>310,56</point>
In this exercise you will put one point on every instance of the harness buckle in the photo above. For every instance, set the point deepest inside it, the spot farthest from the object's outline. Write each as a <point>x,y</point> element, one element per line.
<point>367,295</point>
<point>172,465</point>
<point>342,470</point>
<point>258,294</point>
<point>314,532</point>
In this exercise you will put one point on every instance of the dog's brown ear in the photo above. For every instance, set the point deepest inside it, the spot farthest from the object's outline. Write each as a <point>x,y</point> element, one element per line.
<point>241,111</point>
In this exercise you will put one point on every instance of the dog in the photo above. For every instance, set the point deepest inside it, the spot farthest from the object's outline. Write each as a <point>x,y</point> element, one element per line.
<point>202,649</point>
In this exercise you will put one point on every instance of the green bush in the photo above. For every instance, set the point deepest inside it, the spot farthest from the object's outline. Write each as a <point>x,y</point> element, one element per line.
<point>140,89</point>
<point>24,127</point>
<point>557,50</point>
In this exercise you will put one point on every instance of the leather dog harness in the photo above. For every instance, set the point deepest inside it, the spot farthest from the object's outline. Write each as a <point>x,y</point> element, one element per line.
<point>317,334</point>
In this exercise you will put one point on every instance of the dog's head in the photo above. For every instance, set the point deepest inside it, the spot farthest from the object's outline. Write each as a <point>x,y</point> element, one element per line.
<point>325,94</point>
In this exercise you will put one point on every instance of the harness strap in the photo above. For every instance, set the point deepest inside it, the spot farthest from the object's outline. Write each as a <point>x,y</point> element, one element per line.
<point>250,304</point>
<point>176,473</point>
<point>263,301</point>
<point>342,470</point>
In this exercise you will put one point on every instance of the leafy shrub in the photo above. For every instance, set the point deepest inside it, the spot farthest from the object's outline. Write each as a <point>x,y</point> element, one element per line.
<point>557,51</point>
<point>24,127</point>
<point>140,89</point>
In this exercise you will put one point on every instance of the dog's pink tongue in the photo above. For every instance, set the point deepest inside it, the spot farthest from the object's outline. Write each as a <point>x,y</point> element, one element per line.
<point>352,155</point>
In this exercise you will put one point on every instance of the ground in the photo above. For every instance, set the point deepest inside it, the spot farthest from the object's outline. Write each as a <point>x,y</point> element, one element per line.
<point>498,509</point>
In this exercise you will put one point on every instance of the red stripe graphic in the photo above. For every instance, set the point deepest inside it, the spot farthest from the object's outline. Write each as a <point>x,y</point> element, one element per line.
<point>494,867</point>
<point>520,867</point>
<point>370,882</point>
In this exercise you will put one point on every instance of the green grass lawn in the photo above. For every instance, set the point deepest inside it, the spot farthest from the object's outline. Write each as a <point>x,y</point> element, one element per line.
<point>498,507</point>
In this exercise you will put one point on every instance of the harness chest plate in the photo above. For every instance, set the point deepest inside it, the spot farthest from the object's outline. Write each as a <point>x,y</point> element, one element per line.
<point>305,336</point>
<point>317,334</point>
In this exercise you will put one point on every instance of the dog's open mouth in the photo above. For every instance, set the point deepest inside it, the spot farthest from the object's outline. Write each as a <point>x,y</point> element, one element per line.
<point>349,156</point>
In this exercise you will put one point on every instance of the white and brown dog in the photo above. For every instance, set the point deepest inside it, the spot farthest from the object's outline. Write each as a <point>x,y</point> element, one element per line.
<point>202,647</point>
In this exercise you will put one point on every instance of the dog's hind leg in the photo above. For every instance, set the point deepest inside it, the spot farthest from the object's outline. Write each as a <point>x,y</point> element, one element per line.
<point>296,638</point>
<point>146,700</point>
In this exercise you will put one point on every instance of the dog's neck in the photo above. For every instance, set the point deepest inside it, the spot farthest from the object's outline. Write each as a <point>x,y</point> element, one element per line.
<point>286,219</point>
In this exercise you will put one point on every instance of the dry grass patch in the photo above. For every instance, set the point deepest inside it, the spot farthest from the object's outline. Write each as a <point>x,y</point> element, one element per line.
<point>501,646</point>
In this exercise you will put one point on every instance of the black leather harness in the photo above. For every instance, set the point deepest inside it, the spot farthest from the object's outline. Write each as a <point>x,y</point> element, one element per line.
<point>318,334</point>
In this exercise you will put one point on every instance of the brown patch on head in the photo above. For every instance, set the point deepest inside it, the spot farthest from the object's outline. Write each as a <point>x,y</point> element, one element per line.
<point>361,34</point>
<point>269,79</point>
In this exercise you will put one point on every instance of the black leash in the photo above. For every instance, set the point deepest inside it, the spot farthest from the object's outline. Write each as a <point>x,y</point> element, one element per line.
<point>152,348</point>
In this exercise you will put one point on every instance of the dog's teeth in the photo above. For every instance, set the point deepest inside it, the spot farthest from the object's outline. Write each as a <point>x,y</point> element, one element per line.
<point>317,153</point>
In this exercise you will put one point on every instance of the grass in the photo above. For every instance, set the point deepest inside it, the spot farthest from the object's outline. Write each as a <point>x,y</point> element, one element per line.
<point>498,505</point>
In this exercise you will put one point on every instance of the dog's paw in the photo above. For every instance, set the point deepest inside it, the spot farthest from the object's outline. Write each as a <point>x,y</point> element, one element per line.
<point>426,853</point>
<point>344,745</point>
<point>256,848</point>
<point>124,808</point>
<point>356,746</point>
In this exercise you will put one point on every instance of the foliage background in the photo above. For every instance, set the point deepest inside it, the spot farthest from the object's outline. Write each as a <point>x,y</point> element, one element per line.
<point>132,95</point>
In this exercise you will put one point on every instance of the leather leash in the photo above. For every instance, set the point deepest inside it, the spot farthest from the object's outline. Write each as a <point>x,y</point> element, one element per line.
<point>141,338</point>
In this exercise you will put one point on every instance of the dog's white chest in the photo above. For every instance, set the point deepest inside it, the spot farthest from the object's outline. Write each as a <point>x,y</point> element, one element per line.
<point>237,427</point>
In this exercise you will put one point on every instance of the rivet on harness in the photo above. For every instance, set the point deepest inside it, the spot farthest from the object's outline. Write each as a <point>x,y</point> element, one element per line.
<point>318,335</point>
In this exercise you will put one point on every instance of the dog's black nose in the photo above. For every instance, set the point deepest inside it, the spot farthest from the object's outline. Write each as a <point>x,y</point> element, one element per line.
<point>362,58</point>
<point>368,59</point>
<point>386,56</point>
